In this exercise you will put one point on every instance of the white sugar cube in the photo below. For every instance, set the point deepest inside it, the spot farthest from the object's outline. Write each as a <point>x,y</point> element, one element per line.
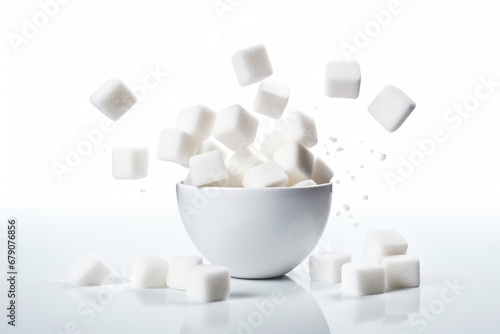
<point>326,266</point>
<point>272,98</point>
<point>296,161</point>
<point>113,99</point>
<point>130,163</point>
<point>401,271</point>
<point>391,108</point>
<point>177,146</point>
<point>380,243</point>
<point>342,79</point>
<point>363,278</point>
<point>293,126</point>
<point>177,271</point>
<point>321,171</point>
<point>251,65</point>
<point>240,162</point>
<point>207,168</point>
<point>210,145</point>
<point>90,270</point>
<point>235,127</point>
<point>197,121</point>
<point>149,272</point>
<point>268,174</point>
<point>208,283</point>
<point>305,183</point>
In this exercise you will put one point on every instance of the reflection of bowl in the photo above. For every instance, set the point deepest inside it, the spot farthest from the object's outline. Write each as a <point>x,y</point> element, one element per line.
<point>256,233</point>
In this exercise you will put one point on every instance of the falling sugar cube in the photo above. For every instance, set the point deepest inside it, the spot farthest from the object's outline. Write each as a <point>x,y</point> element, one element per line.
<point>113,99</point>
<point>251,65</point>
<point>391,108</point>
<point>272,98</point>
<point>130,163</point>
<point>342,79</point>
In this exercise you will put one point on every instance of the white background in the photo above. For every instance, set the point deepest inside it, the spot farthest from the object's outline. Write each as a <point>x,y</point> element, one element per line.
<point>434,51</point>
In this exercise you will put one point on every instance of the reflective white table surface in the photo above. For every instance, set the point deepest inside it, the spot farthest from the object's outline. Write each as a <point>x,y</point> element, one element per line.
<point>459,290</point>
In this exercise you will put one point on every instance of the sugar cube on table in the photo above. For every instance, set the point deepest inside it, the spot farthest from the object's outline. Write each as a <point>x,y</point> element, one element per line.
<point>240,162</point>
<point>197,121</point>
<point>149,272</point>
<point>207,168</point>
<point>235,127</point>
<point>130,163</point>
<point>363,278</point>
<point>272,98</point>
<point>177,146</point>
<point>89,270</point>
<point>268,174</point>
<point>384,242</point>
<point>296,161</point>
<point>342,79</point>
<point>295,126</point>
<point>251,65</point>
<point>113,99</point>
<point>321,171</point>
<point>210,145</point>
<point>305,183</point>
<point>177,271</point>
<point>391,108</point>
<point>326,266</point>
<point>401,271</point>
<point>208,283</point>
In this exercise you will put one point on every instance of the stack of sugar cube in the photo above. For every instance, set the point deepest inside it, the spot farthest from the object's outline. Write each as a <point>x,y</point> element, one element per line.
<point>202,282</point>
<point>220,150</point>
<point>389,267</point>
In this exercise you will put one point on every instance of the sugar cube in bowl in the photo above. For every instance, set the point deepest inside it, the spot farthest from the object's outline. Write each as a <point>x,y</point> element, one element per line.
<point>256,232</point>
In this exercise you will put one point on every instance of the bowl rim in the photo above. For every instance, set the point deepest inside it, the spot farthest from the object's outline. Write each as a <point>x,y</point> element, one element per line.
<point>323,185</point>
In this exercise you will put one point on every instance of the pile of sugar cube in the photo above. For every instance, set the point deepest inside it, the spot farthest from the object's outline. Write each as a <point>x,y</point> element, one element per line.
<point>389,267</point>
<point>219,148</point>
<point>202,282</point>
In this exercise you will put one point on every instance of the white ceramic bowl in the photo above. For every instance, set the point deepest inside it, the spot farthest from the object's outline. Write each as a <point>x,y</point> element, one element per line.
<point>256,233</point>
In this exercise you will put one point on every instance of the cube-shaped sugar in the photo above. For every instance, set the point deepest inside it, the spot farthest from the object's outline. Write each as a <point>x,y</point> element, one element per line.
<point>342,79</point>
<point>391,108</point>
<point>296,161</point>
<point>113,99</point>
<point>235,127</point>
<point>268,174</point>
<point>321,171</point>
<point>149,272</point>
<point>293,126</point>
<point>208,283</point>
<point>380,243</point>
<point>251,65</point>
<point>240,162</point>
<point>272,98</point>
<point>130,163</point>
<point>210,145</point>
<point>177,146</point>
<point>305,183</point>
<point>90,270</point>
<point>363,278</point>
<point>177,271</point>
<point>327,266</point>
<point>401,271</point>
<point>207,168</point>
<point>197,121</point>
